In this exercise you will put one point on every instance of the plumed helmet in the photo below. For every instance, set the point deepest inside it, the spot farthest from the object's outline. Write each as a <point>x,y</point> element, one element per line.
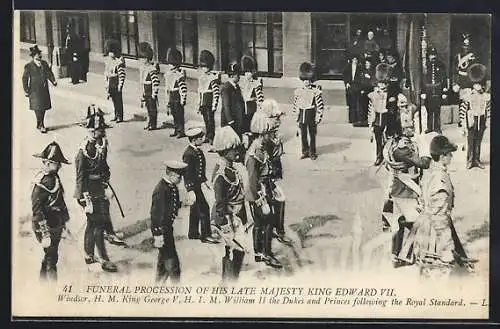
<point>270,108</point>
<point>248,64</point>
<point>145,50</point>
<point>306,71</point>
<point>207,59</point>
<point>112,45</point>
<point>233,69</point>
<point>441,145</point>
<point>477,73</point>
<point>260,124</point>
<point>225,138</point>
<point>95,118</point>
<point>382,72</point>
<point>174,57</point>
<point>52,152</point>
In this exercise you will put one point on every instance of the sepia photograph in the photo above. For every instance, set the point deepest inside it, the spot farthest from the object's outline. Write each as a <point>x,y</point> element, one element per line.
<point>214,164</point>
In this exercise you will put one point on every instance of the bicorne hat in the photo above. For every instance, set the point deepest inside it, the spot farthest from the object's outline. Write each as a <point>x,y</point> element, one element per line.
<point>52,152</point>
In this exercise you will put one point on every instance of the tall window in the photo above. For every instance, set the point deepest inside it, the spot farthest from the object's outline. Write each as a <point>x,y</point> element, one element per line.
<point>259,35</point>
<point>179,30</point>
<point>28,27</point>
<point>122,26</point>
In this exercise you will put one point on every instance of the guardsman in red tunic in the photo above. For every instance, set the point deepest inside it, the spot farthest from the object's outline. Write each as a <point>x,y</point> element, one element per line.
<point>308,104</point>
<point>114,72</point>
<point>194,178</point>
<point>92,191</point>
<point>228,212</point>
<point>50,213</point>
<point>176,90</point>
<point>474,112</point>
<point>165,204</point>
<point>381,105</point>
<point>209,93</point>
<point>252,91</point>
<point>260,191</point>
<point>150,81</point>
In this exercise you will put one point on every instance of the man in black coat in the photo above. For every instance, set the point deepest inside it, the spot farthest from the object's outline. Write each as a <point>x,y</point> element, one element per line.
<point>352,79</point>
<point>36,88</point>
<point>73,44</point>
<point>233,105</point>
<point>165,204</point>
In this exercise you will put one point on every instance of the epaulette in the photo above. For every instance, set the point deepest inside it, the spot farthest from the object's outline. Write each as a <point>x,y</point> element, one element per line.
<point>223,172</point>
<point>257,151</point>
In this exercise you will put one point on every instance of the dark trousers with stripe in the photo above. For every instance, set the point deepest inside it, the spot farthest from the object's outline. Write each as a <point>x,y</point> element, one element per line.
<point>40,117</point>
<point>307,125</point>
<point>152,108</point>
<point>251,108</point>
<point>433,106</point>
<point>262,230</point>
<point>209,119</point>
<point>96,225</point>
<point>48,270</point>
<point>474,138</point>
<point>117,98</point>
<point>199,213</point>
<point>168,265</point>
<point>177,111</point>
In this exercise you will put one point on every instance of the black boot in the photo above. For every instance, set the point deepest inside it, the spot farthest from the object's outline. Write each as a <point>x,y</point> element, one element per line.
<point>43,271</point>
<point>257,242</point>
<point>238,256</point>
<point>227,266</point>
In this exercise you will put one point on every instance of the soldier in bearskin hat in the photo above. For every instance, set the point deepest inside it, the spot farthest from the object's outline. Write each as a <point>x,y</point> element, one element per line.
<point>150,80</point>
<point>209,93</point>
<point>228,212</point>
<point>381,107</point>
<point>92,190</point>
<point>474,112</point>
<point>165,204</point>
<point>233,104</point>
<point>434,90</point>
<point>308,105</point>
<point>114,73</point>
<point>176,90</point>
<point>260,191</point>
<point>49,209</point>
<point>436,240</point>
<point>251,89</point>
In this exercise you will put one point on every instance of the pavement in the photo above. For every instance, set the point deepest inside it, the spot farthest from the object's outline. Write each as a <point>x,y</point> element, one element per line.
<point>325,198</point>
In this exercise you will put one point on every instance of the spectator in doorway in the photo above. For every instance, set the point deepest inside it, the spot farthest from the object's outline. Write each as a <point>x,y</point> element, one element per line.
<point>85,51</point>
<point>385,41</point>
<point>367,84</point>
<point>371,46</point>
<point>357,45</point>
<point>381,57</point>
<point>73,54</point>
<point>352,81</point>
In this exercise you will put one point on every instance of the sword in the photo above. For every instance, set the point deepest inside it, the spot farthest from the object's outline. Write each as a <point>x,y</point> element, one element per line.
<point>117,201</point>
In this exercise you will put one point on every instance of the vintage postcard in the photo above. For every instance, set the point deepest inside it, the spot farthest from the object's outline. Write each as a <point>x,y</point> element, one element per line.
<point>251,164</point>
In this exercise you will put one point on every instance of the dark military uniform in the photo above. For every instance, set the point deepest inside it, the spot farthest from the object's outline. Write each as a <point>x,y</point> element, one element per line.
<point>275,151</point>
<point>194,176</point>
<point>209,93</point>
<point>434,83</point>
<point>229,202</point>
<point>165,206</point>
<point>252,91</point>
<point>150,80</point>
<point>308,104</point>
<point>74,47</point>
<point>92,176</point>
<point>176,91</point>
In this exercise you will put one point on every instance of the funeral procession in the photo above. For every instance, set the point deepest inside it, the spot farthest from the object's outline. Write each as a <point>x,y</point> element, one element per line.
<point>238,146</point>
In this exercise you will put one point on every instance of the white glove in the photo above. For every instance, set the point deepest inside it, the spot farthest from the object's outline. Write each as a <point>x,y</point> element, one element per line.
<point>46,241</point>
<point>158,243</point>
<point>443,96</point>
<point>455,88</point>
<point>423,96</point>
<point>190,198</point>
<point>266,210</point>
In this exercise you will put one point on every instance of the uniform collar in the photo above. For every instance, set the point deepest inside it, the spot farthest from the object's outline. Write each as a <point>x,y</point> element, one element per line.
<point>438,166</point>
<point>165,178</point>
<point>235,85</point>
<point>194,146</point>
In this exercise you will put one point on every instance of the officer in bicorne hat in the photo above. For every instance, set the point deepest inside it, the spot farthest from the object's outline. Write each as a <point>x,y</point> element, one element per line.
<point>165,204</point>
<point>150,81</point>
<point>114,72</point>
<point>381,109</point>
<point>92,191</point>
<point>194,178</point>
<point>49,210</point>
<point>474,112</point>
<point>228,212</point>
<point>308,105</point>
<point>209,93</point>
<point>251,89</point>
<point>176,90</point>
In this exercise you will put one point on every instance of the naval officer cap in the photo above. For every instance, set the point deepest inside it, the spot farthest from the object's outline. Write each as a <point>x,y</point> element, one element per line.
<point>175,166</point>
<point>194,133</point>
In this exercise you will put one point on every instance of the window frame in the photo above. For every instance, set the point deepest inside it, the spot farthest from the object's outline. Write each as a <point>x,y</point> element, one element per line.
<point>25,18</point>
<point>115,18</point>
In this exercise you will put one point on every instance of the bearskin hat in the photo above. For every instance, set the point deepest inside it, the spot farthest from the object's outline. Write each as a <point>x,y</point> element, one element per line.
<point>52,152</point>
<point>145,50</point>
<point>260,124</point>
<point>225,138</point>
<point>112,45</point>
<point>233,69</point>
<point>441,145</point>
<point>477,73</point>
<point>248,64</point>
<point>306,71</point>
<point>382,72</point>
<point>174,57</point>
<point>207,59</point>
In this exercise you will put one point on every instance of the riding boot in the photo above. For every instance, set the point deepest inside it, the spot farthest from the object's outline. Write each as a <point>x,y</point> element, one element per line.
<point>227,266</point>
<point>257,242</point>
<point>43,271</point>
<point>238,256</point>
